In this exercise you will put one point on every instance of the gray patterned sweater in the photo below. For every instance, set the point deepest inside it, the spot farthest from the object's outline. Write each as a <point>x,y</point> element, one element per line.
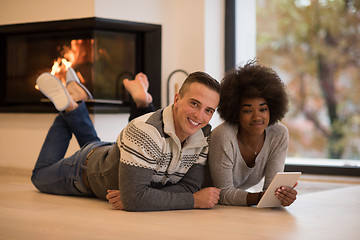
<point>149,166</point>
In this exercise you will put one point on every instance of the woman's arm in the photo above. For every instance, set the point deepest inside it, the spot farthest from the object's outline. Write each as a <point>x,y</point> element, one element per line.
<point>221,162</point>
<point>276,163</point>
<point>279,138</point>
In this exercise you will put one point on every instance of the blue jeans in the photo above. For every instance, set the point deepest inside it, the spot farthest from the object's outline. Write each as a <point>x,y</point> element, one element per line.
<point>58,175</point>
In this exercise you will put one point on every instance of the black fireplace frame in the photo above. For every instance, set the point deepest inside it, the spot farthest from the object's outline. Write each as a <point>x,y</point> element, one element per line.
<point>148,57</point>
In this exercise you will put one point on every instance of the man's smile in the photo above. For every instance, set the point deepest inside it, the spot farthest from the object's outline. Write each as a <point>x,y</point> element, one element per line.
<point>193,122</point>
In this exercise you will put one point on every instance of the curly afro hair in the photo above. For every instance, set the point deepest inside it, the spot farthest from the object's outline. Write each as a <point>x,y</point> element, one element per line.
<point>252,81</point>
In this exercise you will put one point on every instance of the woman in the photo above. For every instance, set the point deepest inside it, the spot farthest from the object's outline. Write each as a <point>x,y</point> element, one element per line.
<point>251,144</point>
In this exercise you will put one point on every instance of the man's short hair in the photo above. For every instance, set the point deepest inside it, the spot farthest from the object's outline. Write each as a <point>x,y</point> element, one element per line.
<point>202,78</point>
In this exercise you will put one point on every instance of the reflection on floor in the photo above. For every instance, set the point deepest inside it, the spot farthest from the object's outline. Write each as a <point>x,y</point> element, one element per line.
<point>314,183</point>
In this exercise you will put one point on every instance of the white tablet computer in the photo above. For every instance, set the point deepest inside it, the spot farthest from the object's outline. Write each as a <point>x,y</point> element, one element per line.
<point>287,179</point>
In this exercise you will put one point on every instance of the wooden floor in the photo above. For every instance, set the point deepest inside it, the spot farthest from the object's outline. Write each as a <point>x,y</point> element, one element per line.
<point>325,209</point>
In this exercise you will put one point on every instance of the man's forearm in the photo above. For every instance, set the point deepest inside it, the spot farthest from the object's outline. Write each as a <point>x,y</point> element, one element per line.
<point>191,182</point>
<point>137,195</point>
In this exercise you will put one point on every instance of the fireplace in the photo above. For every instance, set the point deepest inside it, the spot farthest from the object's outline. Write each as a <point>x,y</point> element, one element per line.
<point>102,51</point>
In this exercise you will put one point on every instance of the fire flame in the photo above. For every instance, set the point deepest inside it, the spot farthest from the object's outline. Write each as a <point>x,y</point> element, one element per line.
<point>59,65</point>
<point>76,53</point>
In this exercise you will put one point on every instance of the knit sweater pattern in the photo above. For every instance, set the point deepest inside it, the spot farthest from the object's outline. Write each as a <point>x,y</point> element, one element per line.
<point>152,169</point>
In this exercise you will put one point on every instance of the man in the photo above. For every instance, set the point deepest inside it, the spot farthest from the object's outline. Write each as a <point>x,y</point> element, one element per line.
<point>158,160</point>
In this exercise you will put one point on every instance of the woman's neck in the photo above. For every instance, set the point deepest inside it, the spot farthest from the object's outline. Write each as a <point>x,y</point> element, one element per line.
<point>252,143</point>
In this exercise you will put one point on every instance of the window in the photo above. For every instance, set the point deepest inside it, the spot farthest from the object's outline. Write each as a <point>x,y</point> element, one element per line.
<point>314,45</point>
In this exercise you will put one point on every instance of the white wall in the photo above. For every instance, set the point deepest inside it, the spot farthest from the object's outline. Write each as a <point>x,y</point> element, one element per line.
<point>192,39</point>
<point>23,11</point>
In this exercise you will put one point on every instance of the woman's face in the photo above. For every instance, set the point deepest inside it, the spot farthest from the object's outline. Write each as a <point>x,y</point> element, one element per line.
<point>254,115</point>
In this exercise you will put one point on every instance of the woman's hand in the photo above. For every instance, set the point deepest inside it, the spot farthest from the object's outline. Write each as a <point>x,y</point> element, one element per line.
<point>286,195</point>
<point>113,197</point>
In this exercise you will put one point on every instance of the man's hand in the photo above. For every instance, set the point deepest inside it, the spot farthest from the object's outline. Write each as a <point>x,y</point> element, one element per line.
<point>113,197</point>
<point>206,198</point>
<point>286,195</point>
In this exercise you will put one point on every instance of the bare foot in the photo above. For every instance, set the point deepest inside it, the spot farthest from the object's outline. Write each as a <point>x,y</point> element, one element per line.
<point>76,92</point>
<point>72,106</point>
<point>73,103</point>
<point>138,89</point>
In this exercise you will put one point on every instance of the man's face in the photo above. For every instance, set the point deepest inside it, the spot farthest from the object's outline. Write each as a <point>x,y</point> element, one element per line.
<point>194,109</point>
